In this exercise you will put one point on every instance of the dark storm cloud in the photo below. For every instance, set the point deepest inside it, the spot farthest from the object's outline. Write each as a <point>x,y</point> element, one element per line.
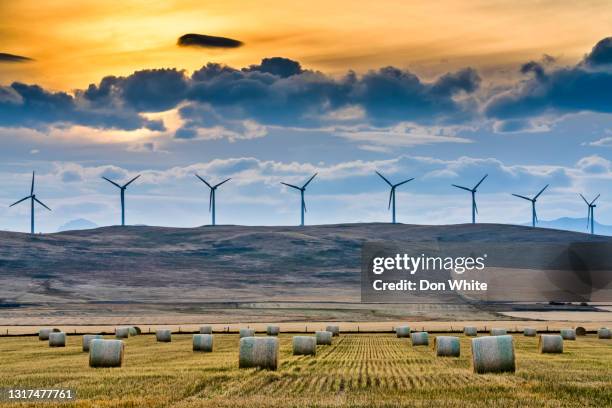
<point>4,57</point>
<point>601,54</point>
<point>207,41</point>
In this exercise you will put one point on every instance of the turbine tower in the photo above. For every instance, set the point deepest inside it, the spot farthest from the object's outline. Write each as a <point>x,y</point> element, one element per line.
<point>591,213</point>
<point>392,193</point>
<point>32,198</point>
<point>473,191</point>
<point>534,215</point>
<point>302,190</point>
<point>211,199</point>
<point>122,188</point>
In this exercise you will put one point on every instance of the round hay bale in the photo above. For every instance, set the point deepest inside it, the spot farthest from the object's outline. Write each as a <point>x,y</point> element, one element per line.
<point>304,346</point>
<point>247,333</point>
<point>43,334</point>
<point>205,329</point>
<point>122,332</point>
<point>335,330</point>
<point>470,331</point>
<point>419,338</point>
<point>493,354</point>
<point>580,331</point>
<point>203,342</point>
<point>568,334</point>
<point>260,352</point>
<point>88,338</point>
<point>447,346</point>
<point>57,339</point>
<point>604,333</point>
<point>529,332</point>
<point>498,332</point>
<point>550,343</point>
<point>163,335</point>
<point>272,330</point>
<point>132,331</point>
<point>402,331</point>
<point>138,330</point>
<point>324,338</point>
<point>106,353</point>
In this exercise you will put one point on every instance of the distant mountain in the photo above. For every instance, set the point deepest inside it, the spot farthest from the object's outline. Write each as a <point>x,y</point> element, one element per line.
<point>574,224</point>
<point>78,224</point>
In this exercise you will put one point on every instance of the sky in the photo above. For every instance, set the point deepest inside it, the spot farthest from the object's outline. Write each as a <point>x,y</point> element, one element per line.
<point>265,92</point>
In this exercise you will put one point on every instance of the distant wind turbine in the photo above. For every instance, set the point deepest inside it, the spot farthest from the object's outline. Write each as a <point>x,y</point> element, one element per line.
<point>534,215</point>
<point>591,212</point>
<point>122,188</point>
<point>302,190</point>
<point>392,193</point>
<point>211,199</point>
<point>32,198</point>
<point>473,191</point>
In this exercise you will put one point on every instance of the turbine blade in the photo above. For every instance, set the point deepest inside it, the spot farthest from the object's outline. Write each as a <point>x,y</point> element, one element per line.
<point>595,199</point>
<point>23,199</point>
<point>223,182</point>
<point>523,197</point>
<point>588,218</point>
<point>384,178</point>
<point>41,203</point>
<point>32,189</point>
<point>203,181</point>
<point>112,182</point>
<point>403,182</point>
<point>131,181</point>
<point>210,198</point>
<point>304,205</point>
<point>291,185</point>
<point>475,207</point>
<point>541,191</point>
<point>584,199</point>
<point>391,194</point>
<point>309,180</point>
<point>480,182</point>
<point>461,187</point>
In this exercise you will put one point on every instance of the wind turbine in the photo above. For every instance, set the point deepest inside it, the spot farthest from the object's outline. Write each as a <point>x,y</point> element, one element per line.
<point>302,190</point>
<point>122,188</point>
<point>591,212</point>
<point>473,191</point>
<point>392,193</point>
<point>32,198</point>
<point>534,215</point>
<point>211,199</point>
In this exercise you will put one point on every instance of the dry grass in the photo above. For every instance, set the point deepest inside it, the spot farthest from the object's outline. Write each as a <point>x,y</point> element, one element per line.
<point>357,370</point>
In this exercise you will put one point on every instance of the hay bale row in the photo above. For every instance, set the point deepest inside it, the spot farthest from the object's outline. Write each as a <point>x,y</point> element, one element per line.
<point>493,354</point>
<point>419,339</point>
<point>272,330</point>
<point>247,333</point>
<point>206,330</point>
<point>57,339</point>
<point>550,343</point>
<point>529,332</point>
<point>470,331</point>
<point>106,353</point>
<point>604,333</point>
<point>324,338</point>
<point>402,331</point>
<point>259,352</point>
<point>163,335</point>
<point>88,338</point>
<point>447,346</point>
<point>568,334</point>
<point>203,342</point>
<point>43,334</point>
<point>498,332</point>
<point>335,330</point>
<point>304,346</point>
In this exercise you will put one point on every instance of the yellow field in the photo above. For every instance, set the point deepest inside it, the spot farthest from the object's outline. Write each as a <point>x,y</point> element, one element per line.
<point>358,370</point>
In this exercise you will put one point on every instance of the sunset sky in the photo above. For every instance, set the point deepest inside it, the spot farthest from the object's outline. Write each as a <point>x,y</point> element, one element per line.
<point>442,91</point>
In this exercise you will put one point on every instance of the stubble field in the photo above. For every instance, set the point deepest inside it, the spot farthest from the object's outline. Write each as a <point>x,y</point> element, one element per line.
<point>360,370</point>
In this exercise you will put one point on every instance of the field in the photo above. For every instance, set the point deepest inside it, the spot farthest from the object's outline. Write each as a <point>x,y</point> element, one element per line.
<point>360,370</point>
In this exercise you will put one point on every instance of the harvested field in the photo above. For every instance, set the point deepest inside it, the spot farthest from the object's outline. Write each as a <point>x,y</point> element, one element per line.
<point>360,370</point>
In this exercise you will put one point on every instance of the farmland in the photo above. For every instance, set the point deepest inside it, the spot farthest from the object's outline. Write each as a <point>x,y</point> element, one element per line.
<point>357,370</point>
